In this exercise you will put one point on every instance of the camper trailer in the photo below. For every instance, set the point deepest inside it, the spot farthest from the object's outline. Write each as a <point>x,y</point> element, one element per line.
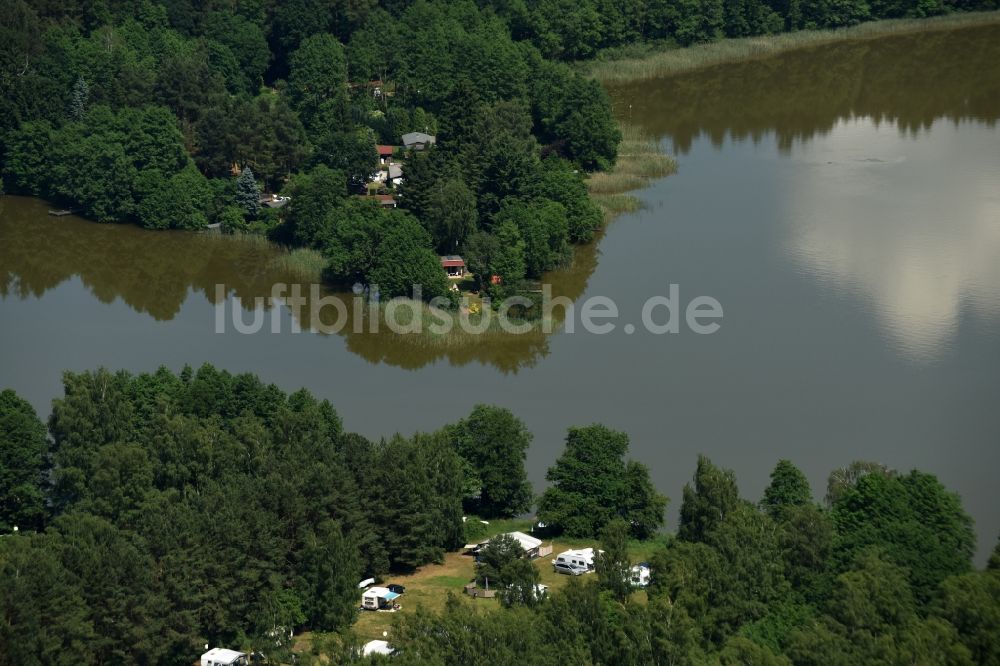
<point>580,560</point>
<point>379,598</point>
<point>640,575</point>
<point>224,657</point>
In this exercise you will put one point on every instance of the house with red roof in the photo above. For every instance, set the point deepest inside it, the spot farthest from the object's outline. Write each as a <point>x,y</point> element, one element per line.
<point>384,154</point>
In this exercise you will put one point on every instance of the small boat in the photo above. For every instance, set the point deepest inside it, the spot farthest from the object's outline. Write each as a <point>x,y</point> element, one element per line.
<point>60,213</point>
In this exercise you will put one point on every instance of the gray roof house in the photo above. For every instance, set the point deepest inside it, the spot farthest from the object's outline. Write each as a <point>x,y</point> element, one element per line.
<point>418,140</point>
<point>395,174</point>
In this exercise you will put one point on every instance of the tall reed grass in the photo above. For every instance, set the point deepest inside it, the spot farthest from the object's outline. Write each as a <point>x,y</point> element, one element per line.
<point>305,264</point>
<point>678,60</point>
<point>640,160</point>
<point>302,265</point>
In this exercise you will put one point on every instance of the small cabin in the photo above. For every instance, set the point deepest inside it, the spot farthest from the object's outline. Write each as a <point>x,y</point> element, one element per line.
<point>418,140</point>
<point>453,265</point>
<point>395,174</point>
<point>384,153</point>
<point>224,657</point>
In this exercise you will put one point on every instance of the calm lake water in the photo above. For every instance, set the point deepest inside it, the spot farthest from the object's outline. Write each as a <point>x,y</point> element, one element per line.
<point>842,203</point>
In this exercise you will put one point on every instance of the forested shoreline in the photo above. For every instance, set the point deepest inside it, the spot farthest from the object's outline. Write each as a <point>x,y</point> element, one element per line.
<point>174,115</point>
<point>158,512</point>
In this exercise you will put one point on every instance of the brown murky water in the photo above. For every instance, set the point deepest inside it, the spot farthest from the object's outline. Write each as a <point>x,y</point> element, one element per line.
<point>842,203</point>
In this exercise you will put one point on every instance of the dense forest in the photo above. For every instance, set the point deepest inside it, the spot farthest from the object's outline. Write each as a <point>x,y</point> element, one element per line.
<point>180,114</point>
<point>158,512</point>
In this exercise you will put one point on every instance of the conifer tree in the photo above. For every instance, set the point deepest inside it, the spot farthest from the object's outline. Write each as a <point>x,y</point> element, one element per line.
<point>81,95</point>
<point>248,194</point>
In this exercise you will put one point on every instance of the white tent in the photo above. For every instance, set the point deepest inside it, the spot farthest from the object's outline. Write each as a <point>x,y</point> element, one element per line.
<point>223,657</point>
<point>529,543</point>
<point>376,647</point>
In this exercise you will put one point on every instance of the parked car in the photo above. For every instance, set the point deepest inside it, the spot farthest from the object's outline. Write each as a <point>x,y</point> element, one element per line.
<point>568,568</point>
<point>398,589</point>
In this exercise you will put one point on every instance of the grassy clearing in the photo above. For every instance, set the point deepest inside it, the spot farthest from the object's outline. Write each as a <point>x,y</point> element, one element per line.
<point>639,161</point>
<point>428,587</point>
<point>677,60</point>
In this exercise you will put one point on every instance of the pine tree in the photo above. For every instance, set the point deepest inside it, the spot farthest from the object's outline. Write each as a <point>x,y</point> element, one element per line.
<point>248,194</point>
<point>81,95</point>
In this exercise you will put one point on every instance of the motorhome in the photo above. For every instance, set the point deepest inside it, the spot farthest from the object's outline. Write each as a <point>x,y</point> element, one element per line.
<point>578,559</point>
<point>570,569</point>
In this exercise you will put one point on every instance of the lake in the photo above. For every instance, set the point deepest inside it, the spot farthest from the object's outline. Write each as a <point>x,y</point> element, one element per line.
<point>842,204</point>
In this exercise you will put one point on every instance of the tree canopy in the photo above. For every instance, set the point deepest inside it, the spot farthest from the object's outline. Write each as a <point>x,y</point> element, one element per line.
<point>592,484</point>
<point>161,511</point>
<point>494,443</point>
<point>157,113</point>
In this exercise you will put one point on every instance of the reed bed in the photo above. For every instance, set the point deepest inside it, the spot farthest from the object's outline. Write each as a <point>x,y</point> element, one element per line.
<point>615,183</point>
<point>305,264</point>
<point>250,240</point>
<point>640,160</point>
<point>678,60</point>
<point>613,205</point>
